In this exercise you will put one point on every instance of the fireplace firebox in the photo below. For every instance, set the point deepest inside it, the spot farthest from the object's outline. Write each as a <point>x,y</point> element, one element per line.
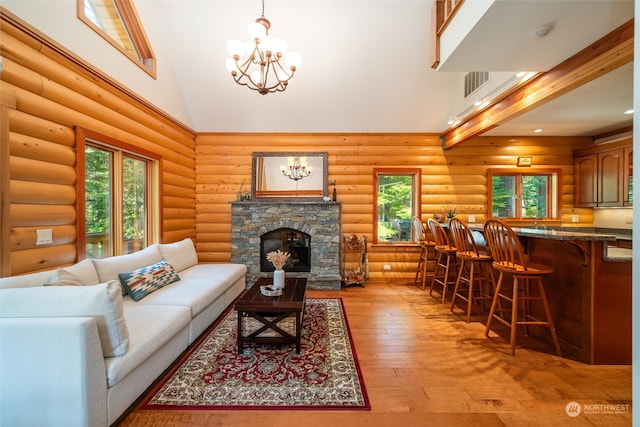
<point>297,243</point>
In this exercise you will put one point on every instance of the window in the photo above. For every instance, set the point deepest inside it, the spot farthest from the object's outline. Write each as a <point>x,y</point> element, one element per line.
<point>396,200</point>
<point>117,22</point>
<point>118,200</point>
<point>518,195</point>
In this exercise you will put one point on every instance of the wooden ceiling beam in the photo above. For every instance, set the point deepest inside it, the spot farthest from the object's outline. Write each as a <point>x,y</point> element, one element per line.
<point>605,55</point>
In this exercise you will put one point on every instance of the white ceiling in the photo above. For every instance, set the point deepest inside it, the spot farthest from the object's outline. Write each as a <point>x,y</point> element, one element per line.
<point>366,64</point>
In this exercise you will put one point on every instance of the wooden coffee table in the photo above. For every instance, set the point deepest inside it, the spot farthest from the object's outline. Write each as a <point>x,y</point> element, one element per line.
<point>279,319</point>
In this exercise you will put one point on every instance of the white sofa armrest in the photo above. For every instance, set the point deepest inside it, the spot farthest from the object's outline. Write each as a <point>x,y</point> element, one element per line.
<point>52,371</point>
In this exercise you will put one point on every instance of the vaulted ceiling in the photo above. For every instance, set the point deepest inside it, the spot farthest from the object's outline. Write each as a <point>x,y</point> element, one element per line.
<point>366,64</point>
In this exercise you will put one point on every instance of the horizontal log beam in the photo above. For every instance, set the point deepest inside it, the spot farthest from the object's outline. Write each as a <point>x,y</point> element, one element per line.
<point>596,60</point>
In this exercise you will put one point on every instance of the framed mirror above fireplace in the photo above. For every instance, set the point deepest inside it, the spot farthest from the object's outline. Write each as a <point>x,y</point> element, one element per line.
<point>289,176</point>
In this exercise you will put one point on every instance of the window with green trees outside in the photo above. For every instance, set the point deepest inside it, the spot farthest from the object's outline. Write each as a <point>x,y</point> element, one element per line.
<point>517,195</point>
<point>397,196</point>
<point>120,193</point>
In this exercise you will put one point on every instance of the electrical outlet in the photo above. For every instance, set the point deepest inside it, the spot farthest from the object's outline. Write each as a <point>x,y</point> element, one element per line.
<point>472,218</point>
<point>575,218</point>
<point>44,237</point>
<point>387,267</point>
<point>629,220</point>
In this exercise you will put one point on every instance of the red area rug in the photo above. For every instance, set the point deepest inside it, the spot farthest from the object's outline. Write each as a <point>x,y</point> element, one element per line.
<point>325,375</point>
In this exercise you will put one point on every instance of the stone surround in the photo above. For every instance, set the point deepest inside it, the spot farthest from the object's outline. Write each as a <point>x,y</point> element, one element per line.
<point>321,220</point>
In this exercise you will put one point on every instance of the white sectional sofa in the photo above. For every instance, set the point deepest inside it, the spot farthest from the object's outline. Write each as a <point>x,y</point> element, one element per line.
<point>81,355</point>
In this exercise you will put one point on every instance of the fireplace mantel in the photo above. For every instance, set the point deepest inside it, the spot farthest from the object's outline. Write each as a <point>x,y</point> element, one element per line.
<point>321,220</point>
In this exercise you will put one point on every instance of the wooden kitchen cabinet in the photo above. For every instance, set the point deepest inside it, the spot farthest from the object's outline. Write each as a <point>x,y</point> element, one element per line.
<point>610,175</point>
<point>586,180</point>
<point>604,175</point>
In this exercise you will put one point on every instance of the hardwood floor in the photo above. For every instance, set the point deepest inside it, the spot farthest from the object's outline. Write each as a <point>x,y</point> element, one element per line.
<point>425,366</point>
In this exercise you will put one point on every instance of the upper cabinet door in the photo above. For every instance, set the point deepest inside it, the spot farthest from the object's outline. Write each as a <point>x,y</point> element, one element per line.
<point>586,173</point>
<point>610,180</point>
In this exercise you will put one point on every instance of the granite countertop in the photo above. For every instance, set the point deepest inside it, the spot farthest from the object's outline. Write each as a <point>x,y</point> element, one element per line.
<point>557,234</point>
<point>611,253</point>
<point>563,234</point>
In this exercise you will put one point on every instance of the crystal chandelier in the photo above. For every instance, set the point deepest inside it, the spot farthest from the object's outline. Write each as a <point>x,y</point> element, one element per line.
<point>296,168</point>
<point>262,63</point>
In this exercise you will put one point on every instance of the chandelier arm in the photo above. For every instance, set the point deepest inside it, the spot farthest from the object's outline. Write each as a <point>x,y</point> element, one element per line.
<point>286,72</point>
<point>244,69</point>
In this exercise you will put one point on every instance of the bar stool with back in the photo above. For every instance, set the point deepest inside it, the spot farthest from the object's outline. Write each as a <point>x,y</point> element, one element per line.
<point>508,258</point>
<point>475,268</point>
<point>446,258</point>
<point>421,237</point>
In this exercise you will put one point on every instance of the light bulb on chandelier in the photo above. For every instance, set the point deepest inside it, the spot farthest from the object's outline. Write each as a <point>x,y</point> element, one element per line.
<point>296,168</point>
<point>263,63</point>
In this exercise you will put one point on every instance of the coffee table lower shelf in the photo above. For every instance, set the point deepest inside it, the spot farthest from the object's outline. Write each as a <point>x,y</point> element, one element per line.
<point>269,328</point>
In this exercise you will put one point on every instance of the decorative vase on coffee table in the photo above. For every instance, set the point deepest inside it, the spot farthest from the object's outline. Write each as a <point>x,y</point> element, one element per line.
<point>278,279</point>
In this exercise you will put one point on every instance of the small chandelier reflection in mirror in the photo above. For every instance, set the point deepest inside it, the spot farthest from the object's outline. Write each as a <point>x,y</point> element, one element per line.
<point>262,64</point>
<point>296,168</point>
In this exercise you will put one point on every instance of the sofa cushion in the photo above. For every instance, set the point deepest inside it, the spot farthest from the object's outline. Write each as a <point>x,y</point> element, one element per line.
<point>150,328</point>
<point>181,255</point>
<point>195,293</point>
<point>141,282</point>
<point>108,268</point>
<point>85,271</point>
<point>228,271</point>
<point>26,280</point>
<point>102,302</point>
<point>63,278</point>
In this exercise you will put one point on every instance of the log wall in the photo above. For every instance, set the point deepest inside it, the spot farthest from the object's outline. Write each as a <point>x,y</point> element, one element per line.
<point>457,176</point>
<point>45,93</point>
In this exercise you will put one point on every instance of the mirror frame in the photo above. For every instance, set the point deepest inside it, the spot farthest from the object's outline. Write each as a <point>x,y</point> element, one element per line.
<point>288,196</point>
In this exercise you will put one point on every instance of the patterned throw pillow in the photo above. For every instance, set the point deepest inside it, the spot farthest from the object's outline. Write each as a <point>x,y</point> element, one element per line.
<point>141,282</point>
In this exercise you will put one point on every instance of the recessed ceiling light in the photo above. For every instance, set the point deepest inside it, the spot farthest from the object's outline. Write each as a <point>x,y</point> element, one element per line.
<point>537,130</point>
<point>628,112</point>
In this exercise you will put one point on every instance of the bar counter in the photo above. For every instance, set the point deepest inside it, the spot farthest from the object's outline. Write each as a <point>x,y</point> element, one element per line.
<point>589,292</point>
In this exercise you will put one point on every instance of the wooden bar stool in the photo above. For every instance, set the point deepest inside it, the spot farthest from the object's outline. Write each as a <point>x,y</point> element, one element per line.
<point>421,237</point>
<point>446,258</point>
<point>508,257</point>
<point>475,268</point>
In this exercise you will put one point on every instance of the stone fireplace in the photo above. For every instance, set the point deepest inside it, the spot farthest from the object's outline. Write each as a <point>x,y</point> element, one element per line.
<point>316,224</point>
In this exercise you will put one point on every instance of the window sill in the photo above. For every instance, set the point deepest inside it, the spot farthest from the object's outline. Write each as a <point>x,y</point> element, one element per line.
<point>396,245</point>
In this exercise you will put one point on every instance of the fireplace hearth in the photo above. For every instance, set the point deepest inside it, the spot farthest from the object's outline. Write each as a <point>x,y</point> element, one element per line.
<point>308,230</point>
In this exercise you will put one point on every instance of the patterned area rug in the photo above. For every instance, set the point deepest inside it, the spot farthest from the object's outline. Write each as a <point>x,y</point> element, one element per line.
<point>325,375</point>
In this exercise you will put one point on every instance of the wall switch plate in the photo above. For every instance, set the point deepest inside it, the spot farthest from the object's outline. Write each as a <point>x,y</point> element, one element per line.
<point>386,267</point>
<point>44,237</point>
<point>575,218</point>
<point>472,218</point>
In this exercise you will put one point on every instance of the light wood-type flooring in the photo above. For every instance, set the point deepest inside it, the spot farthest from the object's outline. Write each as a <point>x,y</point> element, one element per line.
<point>425,366</point>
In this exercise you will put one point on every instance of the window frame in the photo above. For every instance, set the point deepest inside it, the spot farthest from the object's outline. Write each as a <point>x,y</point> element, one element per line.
<point>153,187</point>
<point>553,193</point>
<point>416,177</point>
<point>135,31</point>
